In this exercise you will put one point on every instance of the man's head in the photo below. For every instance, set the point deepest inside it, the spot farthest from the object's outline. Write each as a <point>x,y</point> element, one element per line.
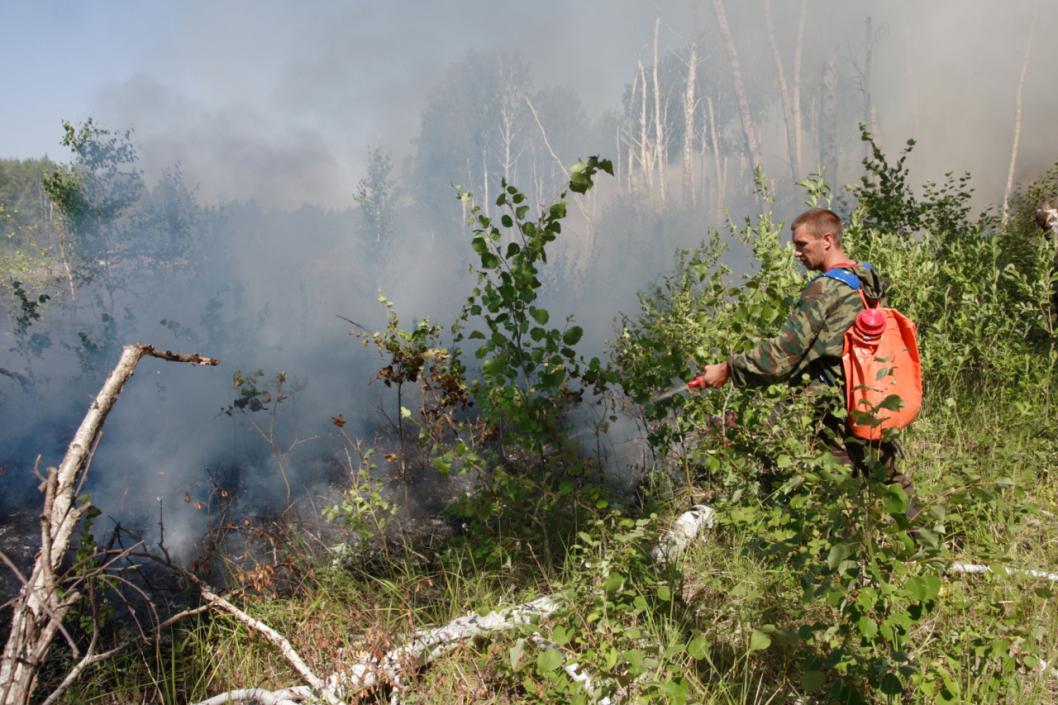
<point>1047,215</point>
<point>816,237</point>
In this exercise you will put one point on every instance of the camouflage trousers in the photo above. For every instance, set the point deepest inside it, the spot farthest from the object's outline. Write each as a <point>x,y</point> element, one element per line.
<point>862,456</point>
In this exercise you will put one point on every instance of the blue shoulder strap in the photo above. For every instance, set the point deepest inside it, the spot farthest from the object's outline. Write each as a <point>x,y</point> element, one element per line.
<point>845,276</point>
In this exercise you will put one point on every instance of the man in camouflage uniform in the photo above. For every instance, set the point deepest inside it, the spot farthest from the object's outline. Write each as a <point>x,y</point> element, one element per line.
<point>808,346</point>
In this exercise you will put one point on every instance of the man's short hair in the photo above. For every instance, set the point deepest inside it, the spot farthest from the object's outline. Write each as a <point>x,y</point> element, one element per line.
<point>820,221</point>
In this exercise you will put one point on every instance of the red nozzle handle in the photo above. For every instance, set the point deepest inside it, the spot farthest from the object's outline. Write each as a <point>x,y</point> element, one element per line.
<point>697,382</point>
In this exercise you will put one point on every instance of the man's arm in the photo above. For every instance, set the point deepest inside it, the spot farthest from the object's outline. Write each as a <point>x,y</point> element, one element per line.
<point>775,359</point>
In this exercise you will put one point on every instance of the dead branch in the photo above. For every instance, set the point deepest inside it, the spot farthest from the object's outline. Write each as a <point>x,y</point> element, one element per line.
<point>45,598</point>
<point>90,658</point>
<point>278,640</point>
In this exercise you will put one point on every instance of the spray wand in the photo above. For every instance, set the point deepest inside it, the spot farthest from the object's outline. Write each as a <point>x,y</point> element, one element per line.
<point>696,383</point>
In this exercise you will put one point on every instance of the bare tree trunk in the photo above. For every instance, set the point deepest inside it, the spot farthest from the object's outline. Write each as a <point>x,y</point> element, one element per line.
<point>865,85</point>
<point>42,603</point>
<point>1017,127</point>
<point>485,179</point>
<point>720,185</point>
<point>659,123</point>
<point>798,129</point>
<point>784,93</point>
<point>828,121</point>
<point>510,102</point>
<point>633,178</point>
<point>909,90</point>
<point>644,154</point>
<point>750,133</point>
<point>689,191</point>
<point>59,230</point>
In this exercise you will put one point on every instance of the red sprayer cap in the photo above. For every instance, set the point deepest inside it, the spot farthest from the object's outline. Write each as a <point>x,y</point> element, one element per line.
<point>870,321</point>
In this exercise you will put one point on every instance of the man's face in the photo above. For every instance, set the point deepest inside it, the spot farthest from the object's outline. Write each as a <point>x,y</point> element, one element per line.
<point>809,249</point>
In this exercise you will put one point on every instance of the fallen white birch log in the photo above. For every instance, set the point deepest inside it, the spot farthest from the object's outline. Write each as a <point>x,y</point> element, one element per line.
<point>683,532</point>
<point>430,644</point>
<point>978,568</point>
<point>289,696</point>
<point>575,671</point>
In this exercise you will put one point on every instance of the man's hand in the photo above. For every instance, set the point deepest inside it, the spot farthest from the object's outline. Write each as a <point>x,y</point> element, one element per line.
<point>714,375</point>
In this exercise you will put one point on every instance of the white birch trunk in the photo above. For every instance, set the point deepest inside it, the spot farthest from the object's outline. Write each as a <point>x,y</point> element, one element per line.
<point>748,130</point>
<point>659,122</point>
<point>784,93</point>
<point>798,129</point>
<point>1017,127</point>
<point>689,190</point>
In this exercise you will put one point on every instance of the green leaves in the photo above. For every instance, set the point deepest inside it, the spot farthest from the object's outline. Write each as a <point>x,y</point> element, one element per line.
<point>550,659</point>
<point>515,653</point>
<point>758,641</point>
<point>923,587</point>
<point>698,647</point>
<point>582,173</point>
<point>838,554</point>
<point>895,500</point>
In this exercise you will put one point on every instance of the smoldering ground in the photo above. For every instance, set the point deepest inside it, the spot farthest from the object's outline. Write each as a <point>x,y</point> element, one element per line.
<point>269,111</point>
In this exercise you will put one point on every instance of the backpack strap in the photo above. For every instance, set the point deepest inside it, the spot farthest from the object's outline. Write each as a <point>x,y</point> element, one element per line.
<point>847,278</point>
<point>844,276</point>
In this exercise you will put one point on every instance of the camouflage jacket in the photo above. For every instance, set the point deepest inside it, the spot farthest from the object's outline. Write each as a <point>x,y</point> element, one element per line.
<point>810,342</point>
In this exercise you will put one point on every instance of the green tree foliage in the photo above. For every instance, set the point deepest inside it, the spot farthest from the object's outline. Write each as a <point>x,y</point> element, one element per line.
<point>100,185</point>
<point>26,220</point>
<point>527,365</point>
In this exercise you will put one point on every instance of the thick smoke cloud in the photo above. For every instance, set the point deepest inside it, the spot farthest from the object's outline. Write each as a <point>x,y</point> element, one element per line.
<point>275,102</point>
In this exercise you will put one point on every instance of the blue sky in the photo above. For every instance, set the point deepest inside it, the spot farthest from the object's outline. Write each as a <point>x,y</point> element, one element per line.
<point>58,55</point>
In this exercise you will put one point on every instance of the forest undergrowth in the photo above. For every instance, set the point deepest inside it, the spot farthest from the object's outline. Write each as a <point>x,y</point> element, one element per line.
<point>812,587</point>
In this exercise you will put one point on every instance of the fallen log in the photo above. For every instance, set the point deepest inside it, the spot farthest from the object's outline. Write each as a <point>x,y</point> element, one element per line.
<point>430,644</point>
<point>979,568</point>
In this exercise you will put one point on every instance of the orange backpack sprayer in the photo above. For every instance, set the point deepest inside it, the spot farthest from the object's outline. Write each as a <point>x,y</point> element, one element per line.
<point>883,371</point>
